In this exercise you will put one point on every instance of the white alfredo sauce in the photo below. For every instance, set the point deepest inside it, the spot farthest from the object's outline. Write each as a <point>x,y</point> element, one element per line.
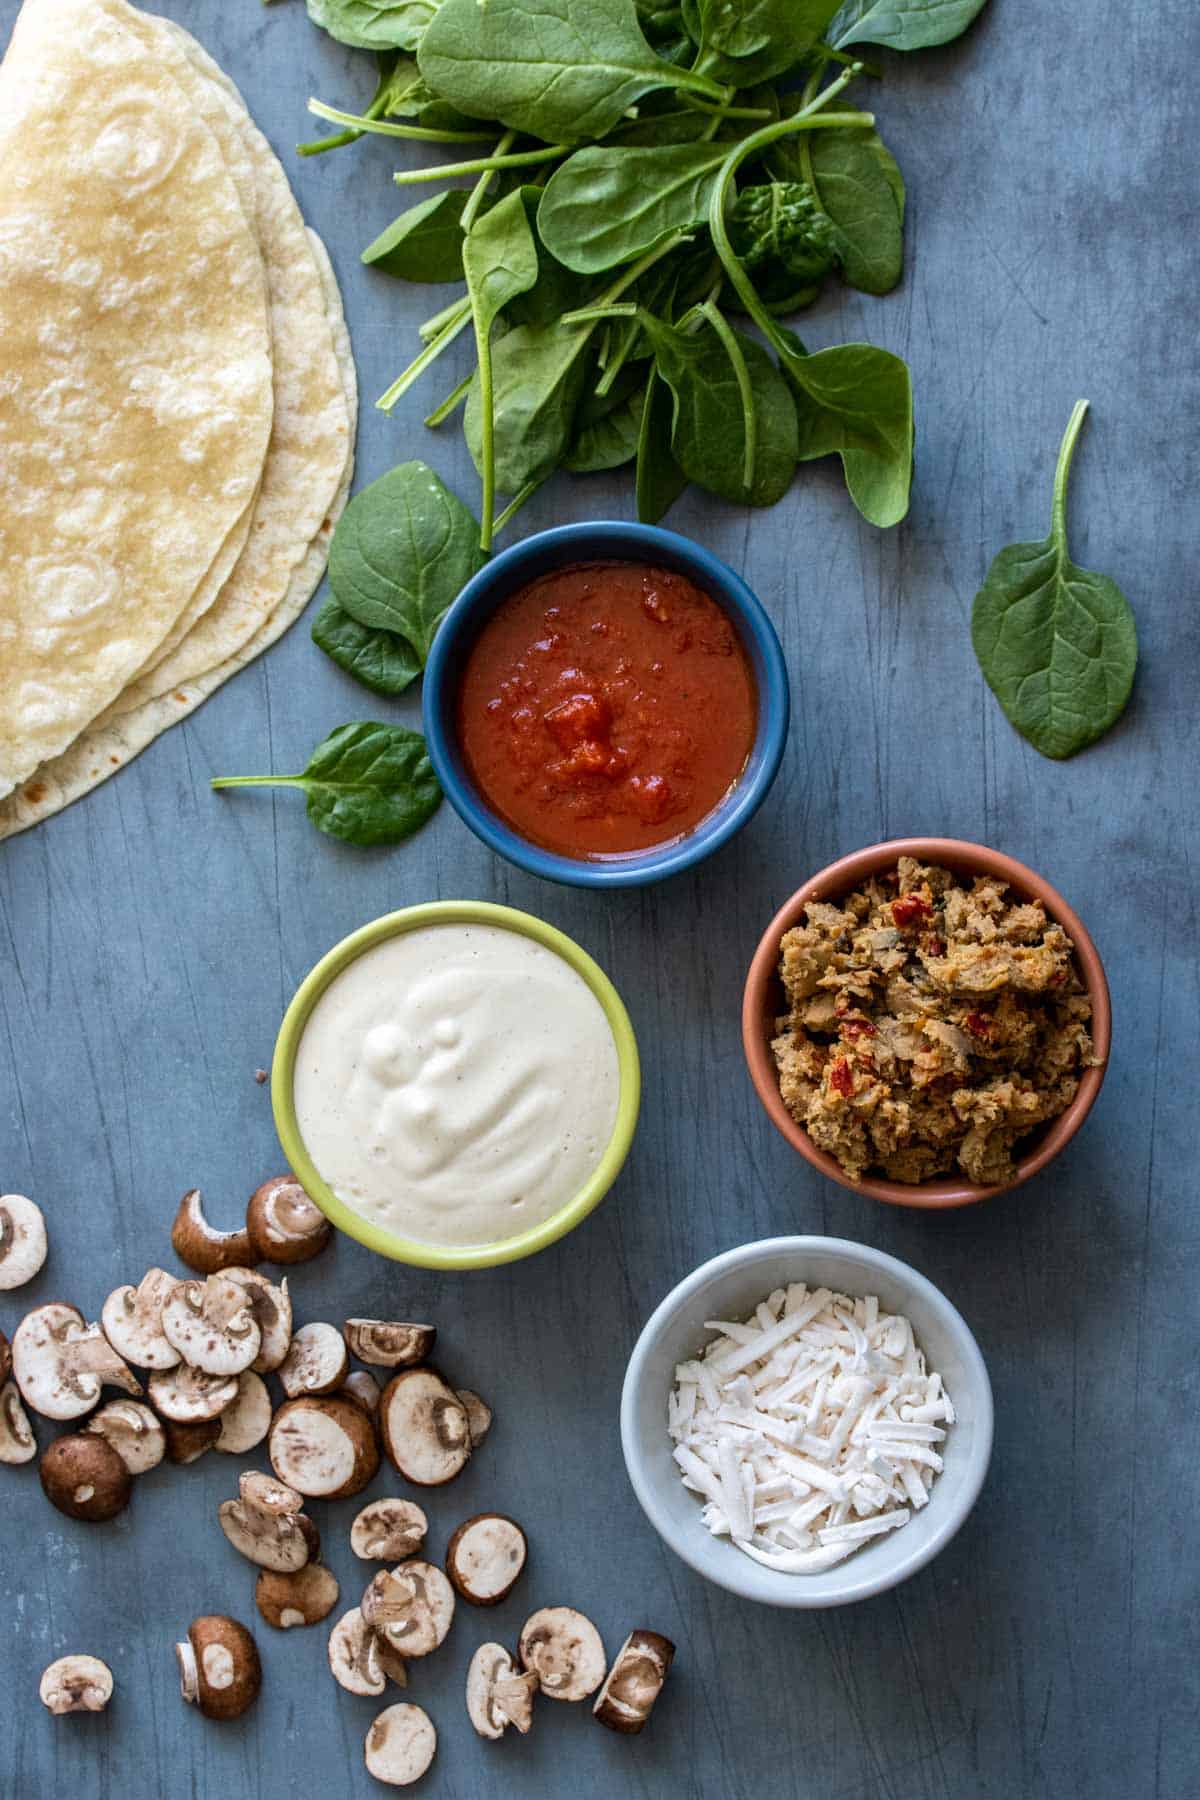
<point>457,1083</point>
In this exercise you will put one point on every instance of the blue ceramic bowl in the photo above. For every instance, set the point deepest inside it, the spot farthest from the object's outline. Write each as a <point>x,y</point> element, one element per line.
<point>605,541</point>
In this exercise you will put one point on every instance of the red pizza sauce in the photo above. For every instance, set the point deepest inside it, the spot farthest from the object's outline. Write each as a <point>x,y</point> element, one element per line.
<point>606,708</point>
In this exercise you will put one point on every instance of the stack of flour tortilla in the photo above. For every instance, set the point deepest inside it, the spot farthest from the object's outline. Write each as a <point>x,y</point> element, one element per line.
<point>177,395</point>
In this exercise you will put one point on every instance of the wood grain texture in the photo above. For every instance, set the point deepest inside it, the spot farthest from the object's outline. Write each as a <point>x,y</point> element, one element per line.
<point>151,936</point>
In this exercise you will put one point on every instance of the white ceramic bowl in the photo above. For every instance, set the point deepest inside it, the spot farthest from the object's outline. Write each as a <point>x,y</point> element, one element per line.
<point>729,1287</point>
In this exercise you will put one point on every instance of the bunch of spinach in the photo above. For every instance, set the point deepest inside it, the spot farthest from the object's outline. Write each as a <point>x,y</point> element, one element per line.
<point>1057,644</point>
<point>648,170</point>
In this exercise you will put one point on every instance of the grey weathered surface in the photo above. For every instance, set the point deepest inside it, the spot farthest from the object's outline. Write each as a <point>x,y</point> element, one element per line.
<point>151,936</point>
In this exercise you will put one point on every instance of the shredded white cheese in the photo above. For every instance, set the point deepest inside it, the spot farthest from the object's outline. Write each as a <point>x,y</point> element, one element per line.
<point>810,1428</point>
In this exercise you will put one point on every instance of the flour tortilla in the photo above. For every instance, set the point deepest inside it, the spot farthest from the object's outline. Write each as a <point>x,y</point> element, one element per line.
<point>310,430</point>
<point>105,749</point>
<point>135,370</point>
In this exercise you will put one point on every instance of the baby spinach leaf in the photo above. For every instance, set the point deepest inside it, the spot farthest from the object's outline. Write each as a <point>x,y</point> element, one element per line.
<point>660,480</point>
<point>611,440</point>
<point>747,41</point>
<point>365,783</point>
<point>425,243</point>
<point>500,260</point>
<point>1057,644</point>
<point>379,659</point>
<point>537,373</point>
<point>709,422</point>
<point>374,24</point>
<point>558,70</point>
<point>609,204</point>
<point>902,24</point>
<point>402,551</point>
<point>855,401</point>
<point>854,178</point>
<point>779,225</point>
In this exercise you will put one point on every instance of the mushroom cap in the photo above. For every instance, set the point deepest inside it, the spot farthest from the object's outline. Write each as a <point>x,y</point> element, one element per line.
<point>425,1429</point>
<point>485,1556</point>
<point>390,1343</point>
<point>132,1321</point>
<point>323,1446</point>
<point>412,1607</point>
<point>61,1363</point>
<point>17,1442</point>
<point>388,1530</point>
<point>565,1651</point>
<point>134,1431</point>
<point>219,1668</point>
<point>361,1387</point>
<point>283,1223</point>
<point>479,1415</point>
<point>635,1681</point>
<point>303,1597</point>
<point>77,1683</point>
<point>188,1443</point>
<point>271,1309</point>
<point>83,1476</point>
<point>281,1541</point>
<point>353,1655</point>
<point>247,1420</point>
<point>22,1241</point>
<point>498,1693</point>
<point>316,1362</point>
<point>211,1325</point>
<point>207,1251</point>
<point>6,1360</point>
<point>188,1396</point>
<point>400,1745</point>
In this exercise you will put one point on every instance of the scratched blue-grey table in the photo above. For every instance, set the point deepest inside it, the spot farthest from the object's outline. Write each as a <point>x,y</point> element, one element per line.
<point>151,936</point>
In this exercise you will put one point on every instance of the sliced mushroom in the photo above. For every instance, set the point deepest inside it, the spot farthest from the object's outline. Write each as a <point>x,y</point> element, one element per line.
<point>304,1597</point>
<point>361,1386</point>
<point>485,1556</point>
<point>412,1607</point>
<point>186,1395</point>
<point>76,1684</point>
<point>479,1415</point>
<point>6,1360</point>
<point>565,1652</point>
<point>323,1446</point>
<point>354,1656</point>
<point>635,1681</point>
<point>316,1363</point>
<point>246,1422</point>
<point>17,1442</point>
<point>219,1670</point>
<point>425,1429</point>
<point>283,1223</point>
<point>61,1364</point>
<point>134,1432</point>
<point>400,1745</point>
<point>84,1477</point>
<point>207,1251</point>
<point>211,1325</point>
<point>390,1661</point>
<point>271,1309</point>
<point>389,1344</point>
<point>22,1240</point>
<point>388,1530</point>
<point>267,1525</point>
<point>188,1443</point>
<point>132,1322</point>
<point>498,1693</point>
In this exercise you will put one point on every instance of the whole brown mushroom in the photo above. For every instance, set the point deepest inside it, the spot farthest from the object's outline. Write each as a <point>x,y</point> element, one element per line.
<point>283,1223</point>
<point>219,1669</point>
<point>84,1477</point>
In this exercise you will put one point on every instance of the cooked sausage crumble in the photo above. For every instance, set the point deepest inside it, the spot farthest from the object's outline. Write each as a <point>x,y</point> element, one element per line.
<point>931,1025</point>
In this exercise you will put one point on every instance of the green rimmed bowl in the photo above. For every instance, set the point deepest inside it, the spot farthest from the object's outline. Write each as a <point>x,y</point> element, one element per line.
<point>390,1243</point>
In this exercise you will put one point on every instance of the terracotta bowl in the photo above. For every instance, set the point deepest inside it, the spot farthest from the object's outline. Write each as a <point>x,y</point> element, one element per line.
<point>763,1002</point>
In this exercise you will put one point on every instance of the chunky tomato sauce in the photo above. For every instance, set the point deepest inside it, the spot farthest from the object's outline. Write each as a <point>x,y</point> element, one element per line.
<point>606,708</point>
